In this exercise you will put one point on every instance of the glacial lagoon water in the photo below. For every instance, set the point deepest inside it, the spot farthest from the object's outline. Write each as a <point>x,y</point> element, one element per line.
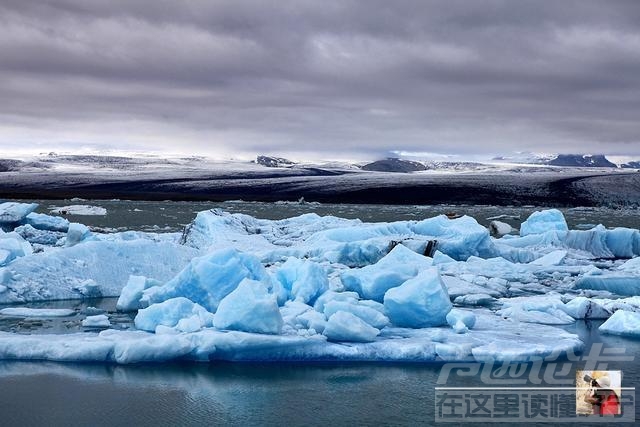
<point>241,394</point>
<point>45,393</point>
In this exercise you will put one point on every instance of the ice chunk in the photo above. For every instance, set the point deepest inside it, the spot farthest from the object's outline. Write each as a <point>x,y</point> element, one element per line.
<point>334,296</point>
<point>399,265</point>
<point>620,284</point>
<point>344,326</point>
<point>440,258</point>
<point>544,309</point>
<point>80,210</point>
<point>61,272</point>
<point>585,308</point>
<point>13,246</point>
<point>170,313</point>
<point>474,300</point>
<point>458,238</point>
<point>419,302</point>
<point>37,312</point>
<point>303,280</point>
<point>550,259</point>
<point>370,315</point>
<point>632,265</point>
<point>131,294</point>
<point>14,212</point>
<point>210,278</point>
<point>541,222</point>
<point>41,237</point>
<point>250,308</point>
<point>76,233</point>
<point>498,228</point>
<point>625,323</point>
<point>457,287</point>
<point>88,289</point>
<point>97,321</point>
<point>47,222</point>
<point>461,320</point>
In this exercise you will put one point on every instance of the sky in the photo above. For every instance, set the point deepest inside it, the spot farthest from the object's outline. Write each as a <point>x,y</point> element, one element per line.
<point>321,79</point>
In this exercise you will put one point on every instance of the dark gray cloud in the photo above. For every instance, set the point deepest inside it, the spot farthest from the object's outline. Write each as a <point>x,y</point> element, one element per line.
<point>329,78</point>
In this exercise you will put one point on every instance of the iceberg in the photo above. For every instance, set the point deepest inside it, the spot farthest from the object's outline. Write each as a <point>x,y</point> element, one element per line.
<point>249,308</point>
<point>13,246</point>
<point>419,302</point>
<point>499,228</point>
<point>175,312</point>
<point>461,320</point>
<point>625,323</point>
<point>86,210</point>
<point>585,308</point>
<point>319,288</point>
<point>206,280</point>
<point>62,273</point>
<point>46,222</point>
<point>14,212</point>
<point>131,294</point>
<point>395,268</point>
<point>345,326</point>
<point>76,233</point>
<point>541,222</point>
<point>359,309</point>
<point>544,309</point>
<point>302,280</point>
<point>617,283</point>
<point>37,312</point>
<point>97,321</point>
<point>39,237</point>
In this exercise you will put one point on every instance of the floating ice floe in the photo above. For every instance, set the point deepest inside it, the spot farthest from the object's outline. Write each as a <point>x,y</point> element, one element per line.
<point>47,222</point>
<point>79,210</point>
<point>499,228</point>
<point>97,321</point>
<point>625,323</point>
<point>14,212</point>
<point>37,312</point>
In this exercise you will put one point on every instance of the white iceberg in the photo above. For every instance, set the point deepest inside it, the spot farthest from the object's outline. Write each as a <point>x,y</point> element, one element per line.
<point>86,210</point>
<point>61,273</point>
<point>47,222</point>
<point>345,326</point>
<point>97,321</point>
<point>14,212</point>
<point>131,294</point>
<point>37,312</point>
<point>625,323</point>
<point>541,222</point>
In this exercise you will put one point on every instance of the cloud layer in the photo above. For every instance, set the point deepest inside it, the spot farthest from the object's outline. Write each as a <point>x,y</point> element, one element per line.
<point>324,78</point>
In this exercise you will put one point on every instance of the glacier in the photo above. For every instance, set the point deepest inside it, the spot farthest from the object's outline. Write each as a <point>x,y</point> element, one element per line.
<point>234,287</point>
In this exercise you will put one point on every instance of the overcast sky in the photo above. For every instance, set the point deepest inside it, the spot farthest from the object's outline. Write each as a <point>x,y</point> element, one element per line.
<point>323,79</point>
